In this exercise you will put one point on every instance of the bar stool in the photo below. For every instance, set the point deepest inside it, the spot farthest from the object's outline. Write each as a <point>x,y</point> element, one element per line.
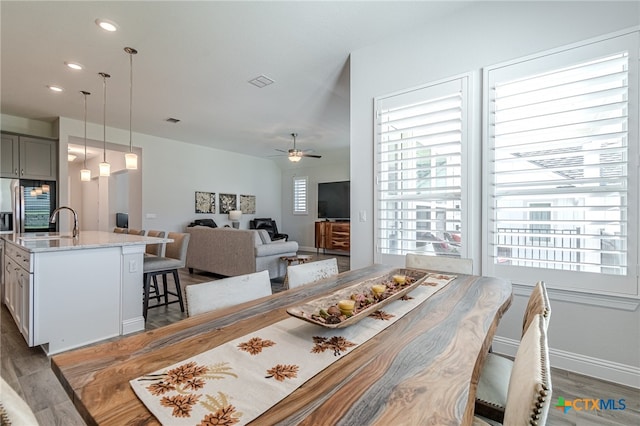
<point>174,259</point>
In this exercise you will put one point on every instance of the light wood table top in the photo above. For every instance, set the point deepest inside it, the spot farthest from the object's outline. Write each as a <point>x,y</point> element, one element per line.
<point>423,369</point>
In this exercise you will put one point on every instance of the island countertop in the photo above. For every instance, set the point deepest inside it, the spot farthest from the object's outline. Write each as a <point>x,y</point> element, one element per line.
<point>55,241</point>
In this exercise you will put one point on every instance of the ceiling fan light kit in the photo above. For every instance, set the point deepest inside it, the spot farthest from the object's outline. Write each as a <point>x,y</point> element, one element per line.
<point>295,155</point>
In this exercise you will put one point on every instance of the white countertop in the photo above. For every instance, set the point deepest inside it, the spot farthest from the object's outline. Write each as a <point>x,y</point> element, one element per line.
<point>55,241</point>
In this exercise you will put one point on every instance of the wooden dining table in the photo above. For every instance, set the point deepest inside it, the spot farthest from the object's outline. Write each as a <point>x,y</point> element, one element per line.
<point>421,370</point>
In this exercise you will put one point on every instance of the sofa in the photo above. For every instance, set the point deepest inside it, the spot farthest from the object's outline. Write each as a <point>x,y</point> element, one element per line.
<point>231,252</point>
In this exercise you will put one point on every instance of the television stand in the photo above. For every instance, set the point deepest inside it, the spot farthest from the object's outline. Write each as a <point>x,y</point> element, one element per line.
<point>333,235</point>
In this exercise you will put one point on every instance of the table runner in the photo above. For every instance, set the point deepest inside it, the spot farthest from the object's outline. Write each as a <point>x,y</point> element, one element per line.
<point>236,382</point>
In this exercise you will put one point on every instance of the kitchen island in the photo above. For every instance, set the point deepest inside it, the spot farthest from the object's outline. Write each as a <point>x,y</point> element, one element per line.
<point>65,292</point>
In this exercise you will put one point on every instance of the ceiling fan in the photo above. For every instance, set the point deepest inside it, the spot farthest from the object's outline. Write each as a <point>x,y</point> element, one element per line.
<point>295,154</point>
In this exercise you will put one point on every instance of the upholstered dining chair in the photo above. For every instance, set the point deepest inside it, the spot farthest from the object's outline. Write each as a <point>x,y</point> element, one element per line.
<point>218,294</point>
<point>136,232</point>
<point>439,263</point>
<point>306,273</point>
<point>155,249</point>
<point>529,392</point>
<point>13,409</point>
<point>493,385</point>
<point>118,230</point>
<point>174,259</point>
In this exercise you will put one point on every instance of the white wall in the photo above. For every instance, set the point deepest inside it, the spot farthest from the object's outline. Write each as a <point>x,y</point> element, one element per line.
<point>332,167</point>
<point>173,170</point>
<point>585,336</point>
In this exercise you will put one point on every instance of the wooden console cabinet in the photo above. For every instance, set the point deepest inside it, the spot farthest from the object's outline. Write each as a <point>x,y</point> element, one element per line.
<point>333,235</point>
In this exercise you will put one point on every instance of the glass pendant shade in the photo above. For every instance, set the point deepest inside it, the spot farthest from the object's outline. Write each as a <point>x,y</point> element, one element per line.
<point>131,161</point>
<point>105,169</point>
<point>85,175</point>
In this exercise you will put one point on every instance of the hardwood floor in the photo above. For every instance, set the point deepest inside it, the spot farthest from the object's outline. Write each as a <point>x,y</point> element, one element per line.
<point>27,370</point>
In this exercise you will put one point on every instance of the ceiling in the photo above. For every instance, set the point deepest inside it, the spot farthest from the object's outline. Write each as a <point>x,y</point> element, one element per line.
<point>194,62</point>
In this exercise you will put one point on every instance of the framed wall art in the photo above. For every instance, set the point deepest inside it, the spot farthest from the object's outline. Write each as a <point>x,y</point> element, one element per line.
<point>228,202</point>
<point>205,202</point>
<point>248,204</point>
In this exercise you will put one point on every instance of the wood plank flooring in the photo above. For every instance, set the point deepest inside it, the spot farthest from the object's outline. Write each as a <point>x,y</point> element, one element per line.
<point>28,371</point>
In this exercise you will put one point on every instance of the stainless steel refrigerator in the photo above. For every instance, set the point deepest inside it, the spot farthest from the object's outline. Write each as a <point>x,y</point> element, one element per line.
<point>26,205</point>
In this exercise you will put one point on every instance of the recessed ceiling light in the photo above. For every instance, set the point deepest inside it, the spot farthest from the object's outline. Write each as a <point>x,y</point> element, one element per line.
<point>107,25</point>
<point>55,88</point>
<point>74,65</point>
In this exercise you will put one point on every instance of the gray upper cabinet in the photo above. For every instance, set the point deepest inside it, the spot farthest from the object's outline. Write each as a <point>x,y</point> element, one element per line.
<point>10,156</point>
<point>27,157</point>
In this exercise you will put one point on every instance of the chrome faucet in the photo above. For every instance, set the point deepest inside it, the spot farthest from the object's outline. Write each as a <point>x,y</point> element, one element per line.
<point>54,215</point>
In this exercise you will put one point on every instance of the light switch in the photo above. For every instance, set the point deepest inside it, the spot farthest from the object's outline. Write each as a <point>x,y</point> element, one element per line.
<point>363,215</point>
<point>133,265</point>
<point>151,216</point>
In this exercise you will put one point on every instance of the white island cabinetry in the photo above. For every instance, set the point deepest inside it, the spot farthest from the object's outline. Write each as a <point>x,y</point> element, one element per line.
<point>68,292</point>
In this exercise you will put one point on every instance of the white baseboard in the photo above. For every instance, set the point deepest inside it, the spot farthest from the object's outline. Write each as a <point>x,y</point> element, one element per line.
<point>132,325</point>
<point>594,367</point>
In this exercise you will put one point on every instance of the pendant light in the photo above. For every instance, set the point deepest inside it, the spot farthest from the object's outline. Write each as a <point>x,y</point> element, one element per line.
<point>131,159</point>
<point>105,168</point>
<point>85,174</point>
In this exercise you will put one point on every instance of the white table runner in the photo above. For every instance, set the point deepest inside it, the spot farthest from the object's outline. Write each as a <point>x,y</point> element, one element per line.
<point>236,382</point>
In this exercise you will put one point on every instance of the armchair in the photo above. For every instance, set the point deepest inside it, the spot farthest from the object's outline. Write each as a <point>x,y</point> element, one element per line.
<point>268,225</point>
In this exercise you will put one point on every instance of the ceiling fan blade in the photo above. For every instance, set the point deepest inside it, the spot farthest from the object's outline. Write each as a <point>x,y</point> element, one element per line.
<point>281,150</point>
<point>312,155</point>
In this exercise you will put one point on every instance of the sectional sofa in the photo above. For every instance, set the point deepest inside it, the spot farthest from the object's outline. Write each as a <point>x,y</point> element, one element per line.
<point>231,252</point>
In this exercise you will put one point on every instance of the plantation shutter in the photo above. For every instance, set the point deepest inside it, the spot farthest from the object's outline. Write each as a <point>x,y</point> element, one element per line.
<point>419,170</point>
<point>300,185</point>
<point>559,163</point>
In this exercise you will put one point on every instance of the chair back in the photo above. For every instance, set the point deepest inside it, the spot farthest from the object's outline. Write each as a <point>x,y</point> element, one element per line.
<point>538,304</point>
<point>178,248</point>
<point>218,294</point>
<point>529,394</point>
<point>439,263</point>
<point>136,232</point>
<point>305,273</point>
<point>120,230</point>
<point>155,249</point>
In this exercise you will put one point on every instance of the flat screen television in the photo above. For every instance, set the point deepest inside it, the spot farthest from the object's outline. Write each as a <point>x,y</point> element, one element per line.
<point>334,200</point>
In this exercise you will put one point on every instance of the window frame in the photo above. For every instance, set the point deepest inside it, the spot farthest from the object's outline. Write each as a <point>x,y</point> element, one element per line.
<point>470,175</point>
<point>587,282</point>
<point>296,195</point>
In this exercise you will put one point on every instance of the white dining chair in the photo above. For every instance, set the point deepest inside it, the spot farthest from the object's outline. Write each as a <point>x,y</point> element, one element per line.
<point>213,295</point>
<point>493,385</point>
<point>306,273</point>
<point>529,391</point>
<point>454,265</point>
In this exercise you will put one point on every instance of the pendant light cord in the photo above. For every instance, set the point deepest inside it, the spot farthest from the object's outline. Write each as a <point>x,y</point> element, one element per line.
<point>104,115</point>
<point>84,163</point>
<point>130,100</point>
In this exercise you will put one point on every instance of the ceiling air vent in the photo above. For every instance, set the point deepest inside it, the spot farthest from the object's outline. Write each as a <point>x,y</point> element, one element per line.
<point>172,120</point>
<point>261,81</point>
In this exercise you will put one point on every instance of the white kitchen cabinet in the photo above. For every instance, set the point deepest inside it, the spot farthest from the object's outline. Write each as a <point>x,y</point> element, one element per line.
<point>65,292</point>
<point>19,288</point>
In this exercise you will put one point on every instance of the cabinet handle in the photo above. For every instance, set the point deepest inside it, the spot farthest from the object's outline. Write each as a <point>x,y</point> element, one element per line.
<point>16,172</point>
<point>22,172</point>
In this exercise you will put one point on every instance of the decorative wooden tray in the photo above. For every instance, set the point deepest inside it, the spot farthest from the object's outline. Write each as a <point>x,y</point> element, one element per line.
<point>310,309</point>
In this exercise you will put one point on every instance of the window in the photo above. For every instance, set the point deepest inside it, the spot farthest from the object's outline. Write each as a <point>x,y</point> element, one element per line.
<point>420,138</point>
<point>561,160</point>
<point>300,191</point>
